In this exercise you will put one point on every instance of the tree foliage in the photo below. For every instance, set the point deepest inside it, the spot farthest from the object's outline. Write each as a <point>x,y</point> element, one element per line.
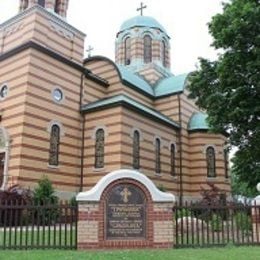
<point>229,88</point>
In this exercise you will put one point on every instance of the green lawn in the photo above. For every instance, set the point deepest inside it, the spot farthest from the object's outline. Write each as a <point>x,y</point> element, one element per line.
<point>228,253</point>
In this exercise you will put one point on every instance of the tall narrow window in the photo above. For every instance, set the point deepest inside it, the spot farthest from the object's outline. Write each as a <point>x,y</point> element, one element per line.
<point>54,145</point>
<point>127,51</point>
<point>226,162</point>
<point>136,150</point>
<point>157,155</point>
<point>41,3</point>
<point>2,167</point>
<point>56,7</point>
<point>99,149</point>
<point>147,49</point>
<point>211,165</point>
<point>173,160</point>
<point>164,53</point>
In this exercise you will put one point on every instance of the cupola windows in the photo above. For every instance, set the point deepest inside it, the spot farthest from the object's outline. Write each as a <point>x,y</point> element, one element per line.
<point>127,51</point>
<point>164,53</point>
<point>147,49</point>
<point>41,3</point>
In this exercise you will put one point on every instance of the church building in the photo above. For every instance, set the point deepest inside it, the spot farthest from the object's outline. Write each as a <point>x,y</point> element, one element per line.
<point>75,120</point>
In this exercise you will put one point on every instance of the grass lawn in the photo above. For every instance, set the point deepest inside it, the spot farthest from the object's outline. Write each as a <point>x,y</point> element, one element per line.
<point>228,253</point>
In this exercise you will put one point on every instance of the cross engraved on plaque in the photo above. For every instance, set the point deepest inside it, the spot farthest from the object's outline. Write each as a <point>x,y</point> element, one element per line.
<point>125,194</point>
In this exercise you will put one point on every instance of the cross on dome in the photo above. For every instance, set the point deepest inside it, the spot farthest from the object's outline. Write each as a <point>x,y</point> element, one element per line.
<point>90,48</point>
<point>141,8</point>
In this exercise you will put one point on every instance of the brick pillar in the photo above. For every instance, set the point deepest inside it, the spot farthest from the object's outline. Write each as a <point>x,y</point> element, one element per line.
<point>88,221</point>
<point>256,217</point>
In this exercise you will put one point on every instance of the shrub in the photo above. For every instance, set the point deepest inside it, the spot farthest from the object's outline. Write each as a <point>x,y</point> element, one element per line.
<point>180,213</point>
<point>16,196</point>
<point>44,196</point>
<point>44,193</point>
<point>216,222</point>
<point>243,221</point>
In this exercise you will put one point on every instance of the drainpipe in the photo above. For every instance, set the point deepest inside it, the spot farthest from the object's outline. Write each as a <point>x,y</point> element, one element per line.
<point>82,132</point>
<point>180,149</point>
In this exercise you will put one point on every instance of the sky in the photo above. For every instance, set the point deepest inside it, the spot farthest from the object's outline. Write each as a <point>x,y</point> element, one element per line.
<point>184,20</point>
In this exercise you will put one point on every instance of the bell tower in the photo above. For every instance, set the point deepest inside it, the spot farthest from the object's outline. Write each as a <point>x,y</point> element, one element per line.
<point>143,47</point>
<point>59,7</point>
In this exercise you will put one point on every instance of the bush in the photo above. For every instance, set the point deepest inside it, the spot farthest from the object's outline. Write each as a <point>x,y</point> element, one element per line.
<point>180,213</point>
<point>216,222</point>
<point>243,221</point>
<point>44,196</point>
<point>44,193</point>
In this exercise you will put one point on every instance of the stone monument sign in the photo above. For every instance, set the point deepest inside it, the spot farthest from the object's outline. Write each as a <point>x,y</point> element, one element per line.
<point>125,210</point>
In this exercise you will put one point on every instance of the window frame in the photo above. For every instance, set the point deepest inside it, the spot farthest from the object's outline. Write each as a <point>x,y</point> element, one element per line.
<point>56,148</point>
<point>157,143</point>
<point>97,164</point>
<point>136,150</point>
<point>127,48</point>
<point>147,55</point>
<point>208,162</point>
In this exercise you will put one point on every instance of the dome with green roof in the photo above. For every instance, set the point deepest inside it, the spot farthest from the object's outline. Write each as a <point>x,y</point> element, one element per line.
<point>142,21</point>
<point>198,121</point>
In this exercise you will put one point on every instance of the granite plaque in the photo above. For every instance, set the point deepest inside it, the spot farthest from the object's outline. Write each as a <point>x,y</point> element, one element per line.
<point>125,212</point>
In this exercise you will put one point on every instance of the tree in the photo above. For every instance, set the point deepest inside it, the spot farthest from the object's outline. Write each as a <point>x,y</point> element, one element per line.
<point>229,88</point>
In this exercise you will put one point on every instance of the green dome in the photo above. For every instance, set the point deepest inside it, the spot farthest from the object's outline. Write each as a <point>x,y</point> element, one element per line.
<point>141,21</point>
<point>198,121</point>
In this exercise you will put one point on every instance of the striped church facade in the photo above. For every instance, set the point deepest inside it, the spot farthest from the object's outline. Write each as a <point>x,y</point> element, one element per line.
<point>53,105</point>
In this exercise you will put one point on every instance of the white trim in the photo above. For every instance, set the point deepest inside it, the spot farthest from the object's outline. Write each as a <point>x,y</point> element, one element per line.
<point>59,124</point>
<point>96,192</point>
<point>5,150</point>
<point>139,131</point>
<point>97,128</point>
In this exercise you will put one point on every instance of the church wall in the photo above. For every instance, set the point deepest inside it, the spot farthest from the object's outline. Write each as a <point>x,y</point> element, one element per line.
<point>45,74</point>
<point>40,26</point>
<point>168,106</point>
<point>194,165</point>
<point>12,107</point>
<point>110,120</point>
<point>150,129</point>
<point>198,169</point>
<point>107,71</point>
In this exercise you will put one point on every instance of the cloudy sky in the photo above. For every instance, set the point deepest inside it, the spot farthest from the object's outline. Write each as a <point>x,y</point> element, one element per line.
<point>185,21</point>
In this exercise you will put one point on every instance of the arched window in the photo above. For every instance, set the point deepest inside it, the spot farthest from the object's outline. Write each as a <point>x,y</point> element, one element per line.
<point>173,160</point>
<point>99,148</point>
<point>147,49</point>
<point>164,53</point>
<point>211,165</point>
<point>41,3</point>
<point>54,145</point>
<point>157,155</point>
<point>226,162</point>
<point>127,51</point>
<point>136,150</point>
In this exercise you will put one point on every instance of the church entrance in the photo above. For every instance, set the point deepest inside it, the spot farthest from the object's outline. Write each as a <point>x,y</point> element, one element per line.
<point>2,166</point>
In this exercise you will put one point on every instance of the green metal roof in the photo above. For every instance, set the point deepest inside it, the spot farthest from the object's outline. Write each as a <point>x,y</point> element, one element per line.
<point>125,100</point>
<point>198,121</point>
<point>141,21</point>
<point>171,85</point>
<point>135,80</point>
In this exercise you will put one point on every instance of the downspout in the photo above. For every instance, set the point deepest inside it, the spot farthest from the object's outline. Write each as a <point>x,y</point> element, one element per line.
<point>82,132</point>
<point>180,149</point>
